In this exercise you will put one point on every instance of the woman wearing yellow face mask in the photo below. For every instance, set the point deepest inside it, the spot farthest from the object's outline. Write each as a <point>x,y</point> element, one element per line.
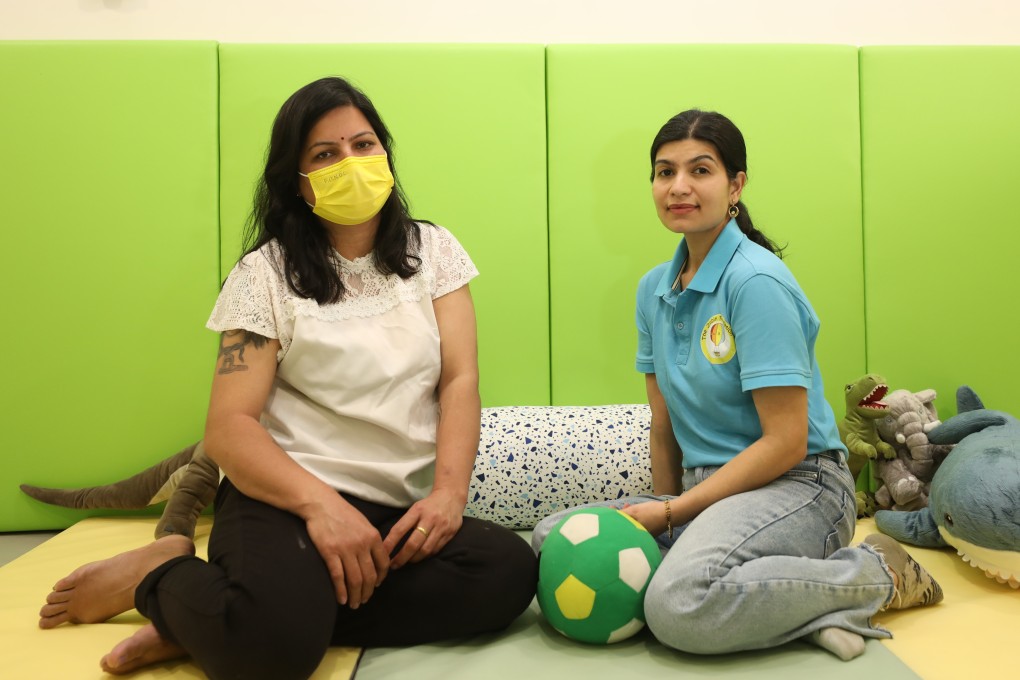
<point>345,417</point>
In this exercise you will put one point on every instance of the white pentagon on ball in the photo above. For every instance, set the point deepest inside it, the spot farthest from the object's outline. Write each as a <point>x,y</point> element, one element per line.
<point>634,568</point>
<point>580,528</point>
<point>625,631</point>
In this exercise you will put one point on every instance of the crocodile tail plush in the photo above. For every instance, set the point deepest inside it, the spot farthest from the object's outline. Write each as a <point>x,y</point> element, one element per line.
<point>194,491</point>
<point>187,480</point>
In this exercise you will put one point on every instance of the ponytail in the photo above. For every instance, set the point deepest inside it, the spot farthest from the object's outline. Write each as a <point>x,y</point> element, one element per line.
<point>743,220</point>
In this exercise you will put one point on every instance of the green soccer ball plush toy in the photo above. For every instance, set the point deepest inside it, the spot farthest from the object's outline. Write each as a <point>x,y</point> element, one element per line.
<point>593,570</point>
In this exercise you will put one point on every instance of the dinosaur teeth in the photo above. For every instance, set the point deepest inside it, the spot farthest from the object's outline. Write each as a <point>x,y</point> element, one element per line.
<point>873,400</point>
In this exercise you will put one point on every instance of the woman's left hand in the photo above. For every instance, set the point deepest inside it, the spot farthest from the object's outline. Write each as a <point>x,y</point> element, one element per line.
<point>650,514</point>
<point>429,525</point>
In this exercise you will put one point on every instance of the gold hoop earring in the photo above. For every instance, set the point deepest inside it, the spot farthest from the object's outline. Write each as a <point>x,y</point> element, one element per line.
<point>734,210</point>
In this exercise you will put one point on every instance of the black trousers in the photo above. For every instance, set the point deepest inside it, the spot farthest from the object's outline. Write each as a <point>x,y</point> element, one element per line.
<point>264,606</point>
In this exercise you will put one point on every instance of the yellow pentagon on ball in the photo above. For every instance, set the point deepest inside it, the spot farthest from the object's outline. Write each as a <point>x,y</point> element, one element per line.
<point>637,524</point>
<point>575,599</point>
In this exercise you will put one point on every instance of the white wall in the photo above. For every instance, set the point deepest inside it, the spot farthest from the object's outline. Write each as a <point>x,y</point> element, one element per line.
<point>851,22</point>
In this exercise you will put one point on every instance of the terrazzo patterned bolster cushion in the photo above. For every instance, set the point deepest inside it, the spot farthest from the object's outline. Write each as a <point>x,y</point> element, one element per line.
<point>536,460</point>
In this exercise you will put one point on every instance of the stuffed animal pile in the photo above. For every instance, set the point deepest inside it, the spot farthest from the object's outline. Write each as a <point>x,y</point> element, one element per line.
<point>974,497</point>
<point>886,434</point>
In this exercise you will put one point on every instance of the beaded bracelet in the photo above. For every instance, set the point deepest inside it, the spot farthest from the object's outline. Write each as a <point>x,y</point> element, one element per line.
<point>669,520</point>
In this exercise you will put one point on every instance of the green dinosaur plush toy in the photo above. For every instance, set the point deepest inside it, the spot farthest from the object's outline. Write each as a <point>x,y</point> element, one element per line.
<point>858,431</point>
<point>187,481</point>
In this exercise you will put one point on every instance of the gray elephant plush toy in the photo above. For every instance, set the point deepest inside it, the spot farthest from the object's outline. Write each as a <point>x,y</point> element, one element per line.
<point>905,427</point>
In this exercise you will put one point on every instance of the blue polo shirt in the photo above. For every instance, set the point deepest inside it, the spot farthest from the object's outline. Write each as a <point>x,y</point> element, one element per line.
<point>742,324</point>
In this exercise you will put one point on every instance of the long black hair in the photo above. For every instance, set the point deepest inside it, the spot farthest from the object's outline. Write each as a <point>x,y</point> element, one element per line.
<point>719,131</point>
<point>279,212</point>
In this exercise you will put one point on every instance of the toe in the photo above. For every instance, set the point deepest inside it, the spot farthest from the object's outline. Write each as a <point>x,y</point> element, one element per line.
<point>107,663</point>
<point>53,621</point>
<point>58,596</point>
<point>51,610</point>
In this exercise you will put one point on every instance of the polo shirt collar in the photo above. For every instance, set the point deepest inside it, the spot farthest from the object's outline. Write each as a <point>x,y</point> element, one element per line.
<point>711,270</point>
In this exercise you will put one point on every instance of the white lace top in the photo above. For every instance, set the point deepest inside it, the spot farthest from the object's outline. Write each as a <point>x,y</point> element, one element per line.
<point>354,399</point>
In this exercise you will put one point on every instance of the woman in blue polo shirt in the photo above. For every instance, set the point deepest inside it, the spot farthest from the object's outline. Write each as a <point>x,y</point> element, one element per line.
<point>754,503</point>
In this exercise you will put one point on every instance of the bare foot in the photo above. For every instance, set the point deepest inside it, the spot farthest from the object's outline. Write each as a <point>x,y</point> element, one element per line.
<point>145,647</point>
<point>100,590</point>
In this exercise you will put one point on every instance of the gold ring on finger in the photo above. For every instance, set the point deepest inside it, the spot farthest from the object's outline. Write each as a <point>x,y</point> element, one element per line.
<point>424,531</point>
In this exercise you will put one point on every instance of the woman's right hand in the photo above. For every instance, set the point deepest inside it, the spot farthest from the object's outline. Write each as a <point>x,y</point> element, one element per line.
<point>351,548</point>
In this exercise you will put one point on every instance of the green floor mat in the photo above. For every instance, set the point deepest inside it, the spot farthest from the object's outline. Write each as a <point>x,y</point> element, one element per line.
<point>531,649</point>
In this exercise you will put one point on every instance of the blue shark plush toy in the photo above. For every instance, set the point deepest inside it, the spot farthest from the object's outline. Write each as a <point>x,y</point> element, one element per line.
<point>974,503</point>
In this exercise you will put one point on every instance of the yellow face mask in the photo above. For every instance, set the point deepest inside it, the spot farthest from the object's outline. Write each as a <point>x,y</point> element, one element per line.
<point>352,191</point>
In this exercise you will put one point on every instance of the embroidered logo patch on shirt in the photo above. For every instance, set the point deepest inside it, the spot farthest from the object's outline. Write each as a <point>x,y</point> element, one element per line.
<point>717,341</point>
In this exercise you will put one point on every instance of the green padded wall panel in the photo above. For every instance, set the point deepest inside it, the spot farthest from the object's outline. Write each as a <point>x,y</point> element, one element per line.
<point>940,147</point>
<point>798,109</point>
<point>109,261</point>
<point>469,125</point>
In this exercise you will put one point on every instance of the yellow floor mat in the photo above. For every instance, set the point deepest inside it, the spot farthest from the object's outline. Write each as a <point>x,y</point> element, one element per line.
<point>971,633</point>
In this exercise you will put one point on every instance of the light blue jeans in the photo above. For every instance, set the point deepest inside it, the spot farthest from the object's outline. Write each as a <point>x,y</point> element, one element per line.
<point>763,567</point>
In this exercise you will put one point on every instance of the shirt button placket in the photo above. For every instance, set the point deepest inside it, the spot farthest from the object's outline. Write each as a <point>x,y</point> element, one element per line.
<point>681,330</point>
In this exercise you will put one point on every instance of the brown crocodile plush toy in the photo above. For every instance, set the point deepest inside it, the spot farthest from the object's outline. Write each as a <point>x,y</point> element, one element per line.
<point>187,481</point>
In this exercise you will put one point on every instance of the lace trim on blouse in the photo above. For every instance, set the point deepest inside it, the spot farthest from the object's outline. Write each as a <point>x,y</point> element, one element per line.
<point>256,296</point>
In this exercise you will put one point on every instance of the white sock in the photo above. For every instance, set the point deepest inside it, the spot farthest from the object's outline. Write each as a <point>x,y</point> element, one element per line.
<point>843,643</point>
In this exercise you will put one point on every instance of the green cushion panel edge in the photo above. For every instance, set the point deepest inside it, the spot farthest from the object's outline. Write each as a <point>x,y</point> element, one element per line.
<point>940,146</point>
<point>110,260</point>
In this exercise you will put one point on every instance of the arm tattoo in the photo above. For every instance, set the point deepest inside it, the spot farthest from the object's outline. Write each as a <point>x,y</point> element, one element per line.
<point>232,344</point>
